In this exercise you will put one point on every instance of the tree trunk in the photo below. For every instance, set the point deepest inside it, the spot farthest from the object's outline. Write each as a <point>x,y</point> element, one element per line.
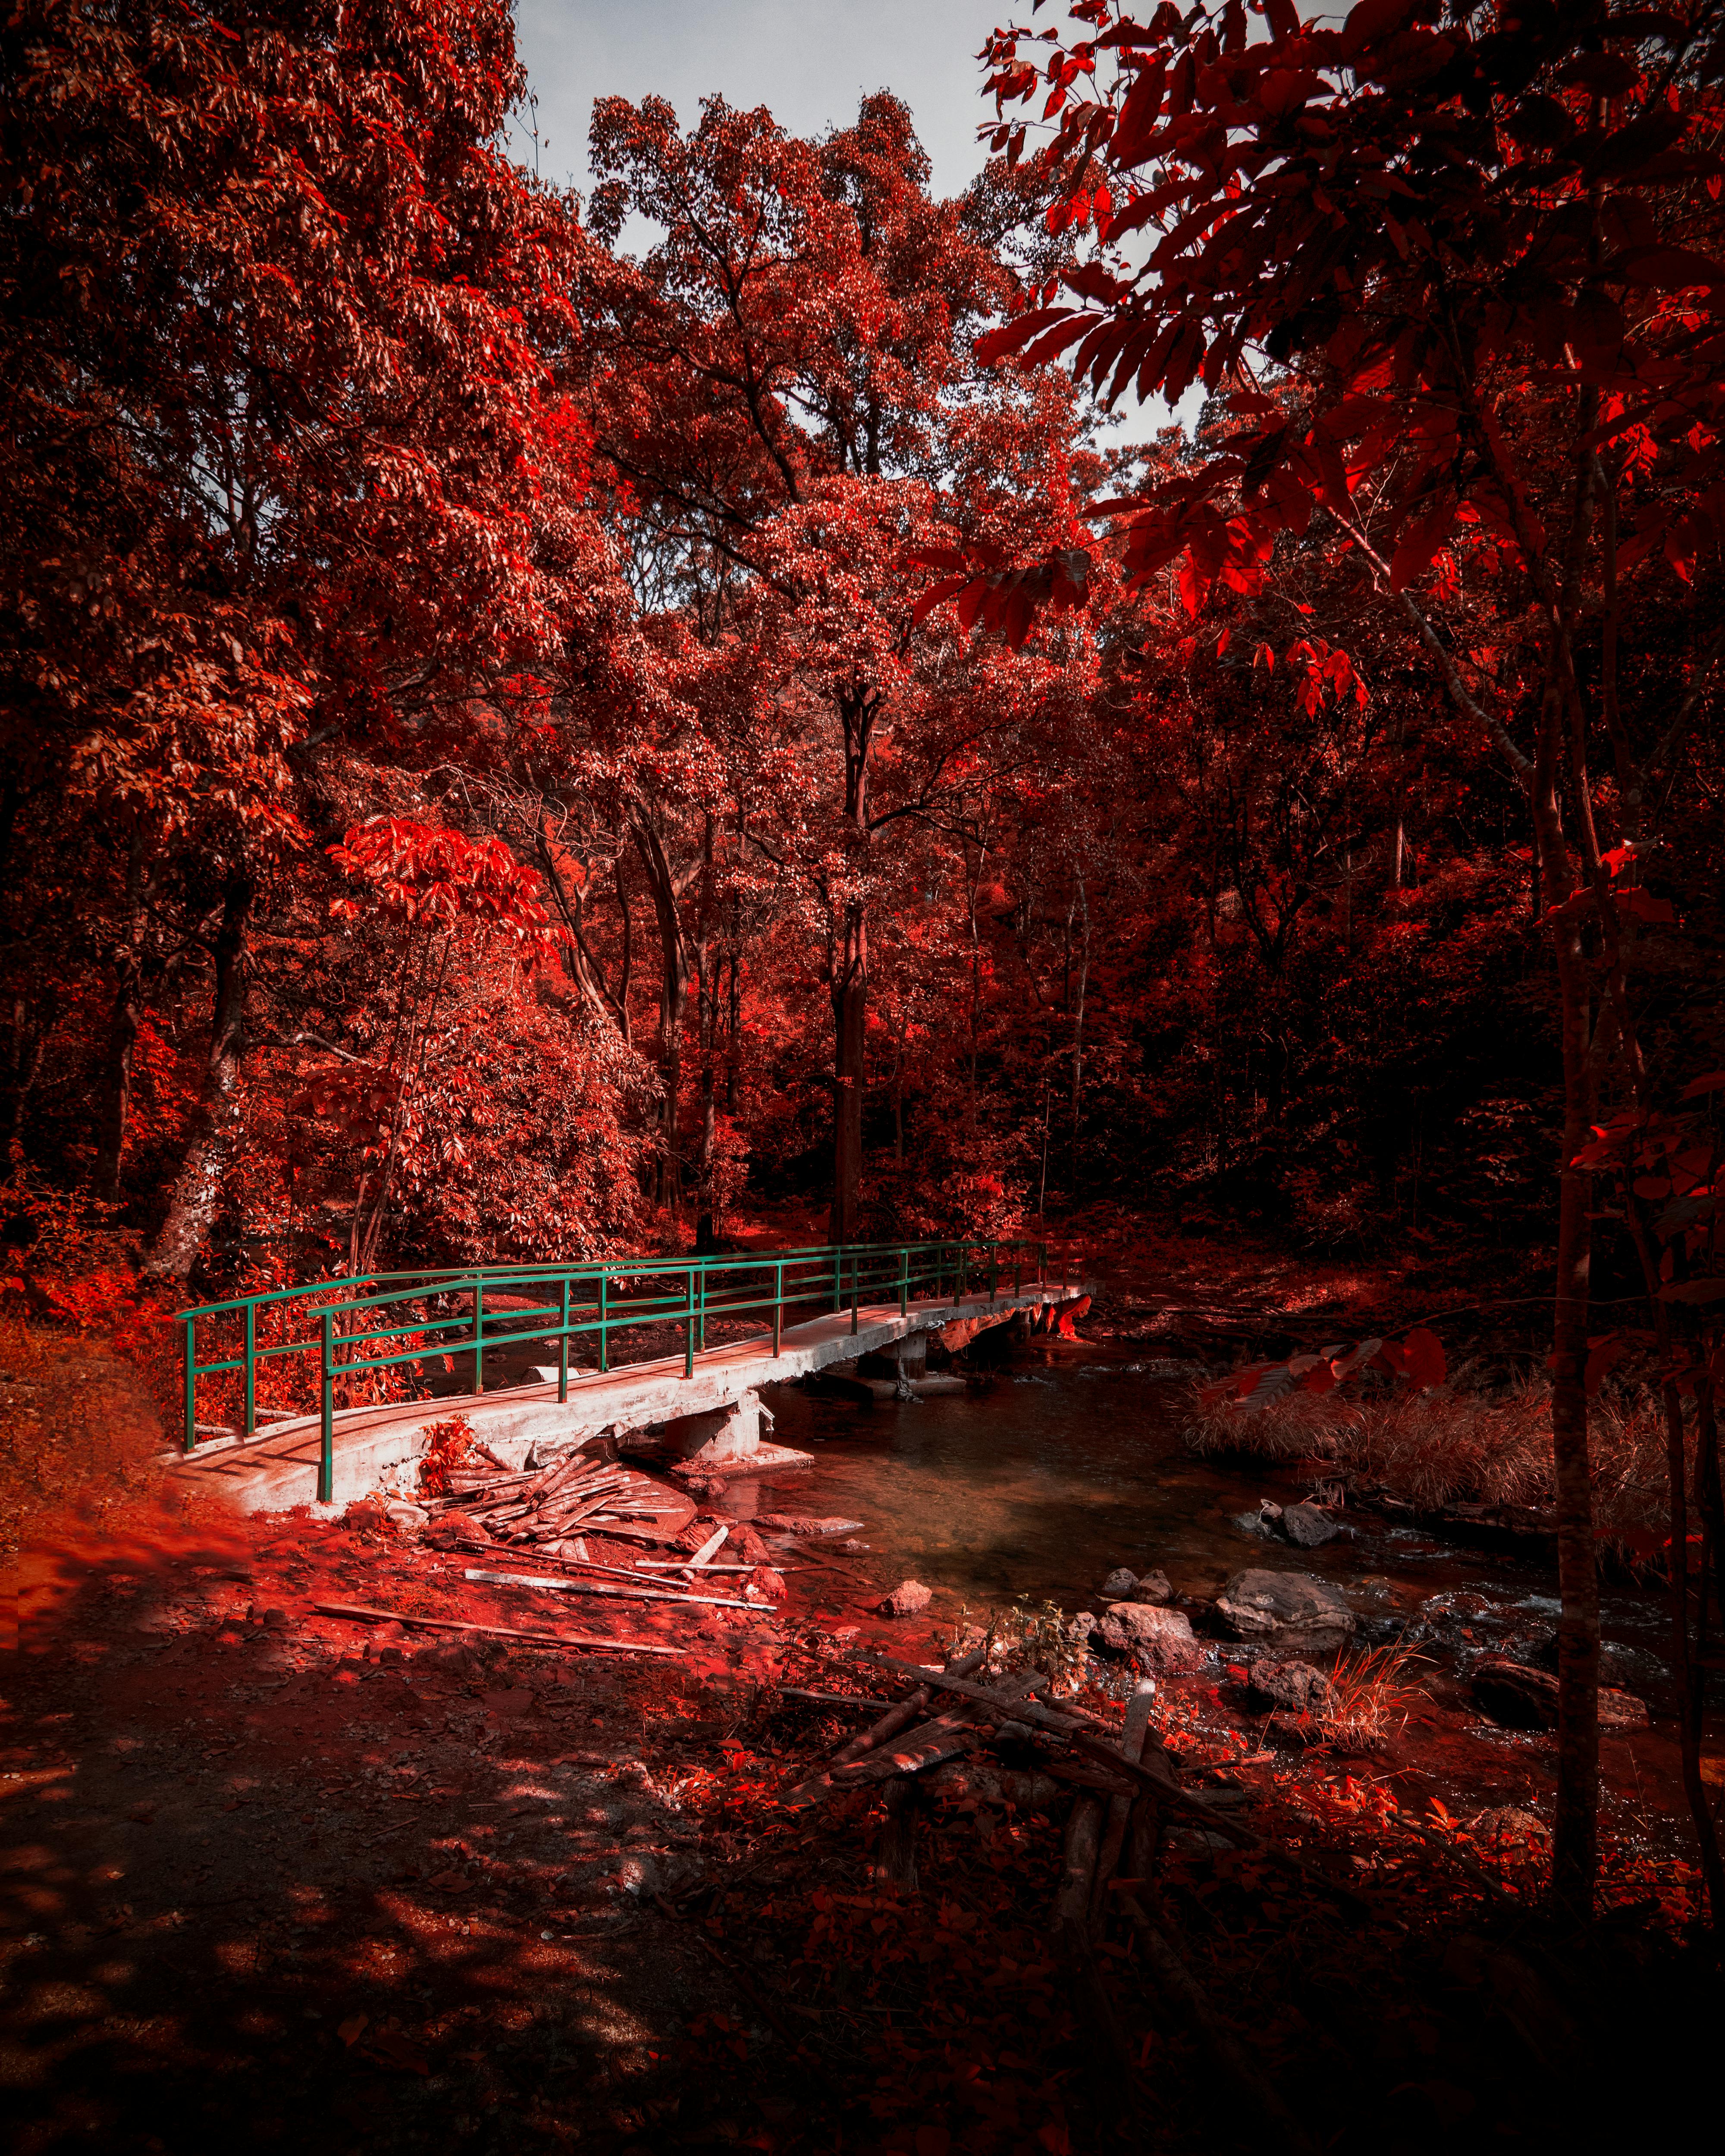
<point>709,969</point>
<point>1690,1679</point>
<point>1078,1047</point>
<point>850,1002</point>
<point>198,1191</point>
<point>673,994</point>
<point>1575,1840</point>
<point>581,969</point>
<point>29,1038</point>
<point>124,1019</point>
<point>850,976</point>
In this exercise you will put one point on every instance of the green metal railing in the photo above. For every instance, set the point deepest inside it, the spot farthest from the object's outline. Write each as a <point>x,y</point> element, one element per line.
<point>547,1304</point>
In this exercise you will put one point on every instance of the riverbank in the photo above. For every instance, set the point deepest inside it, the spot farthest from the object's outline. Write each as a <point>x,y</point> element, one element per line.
<point>294,1880</point>
<point>282,1881</point>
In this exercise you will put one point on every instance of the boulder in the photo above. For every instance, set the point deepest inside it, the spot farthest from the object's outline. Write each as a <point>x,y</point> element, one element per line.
<point>1254,1524</point>
<point>1510,1829</point>
<point>1154,1587</point>
<point>1291,1610</point>
<point>1306,1527</point>
<point>455,1530</point>
<point>1517,1696</point>
<point>1622,1669</point>
<point>799,1523</point>
<point>1295,1686</point>
<point>1161,1637</point>
<point>767,1583</point>
<point>1119,1583</point>
<point>1513,1694</point>
<point>909,1598</point>
<point>743,1545</point>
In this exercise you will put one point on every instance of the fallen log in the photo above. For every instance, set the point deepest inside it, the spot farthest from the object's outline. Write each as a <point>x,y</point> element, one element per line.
<point>896,1853</point>
<point>1078,1869</point>
<point>1110,2058</point>
<point>1077,1732</point>
<point>662,1565</point>
<point>895,1719</point>
<point>942,1737</point>
<point>361,1616</point>
<point>1135,1729</point>
<point>464,1489</point>
<point>832,1699</point>
<point>709,1549</point>
<point>927,1745</point>
<point>618,1594</point>
<point>1080,1774</point>
<point>588,1564</point>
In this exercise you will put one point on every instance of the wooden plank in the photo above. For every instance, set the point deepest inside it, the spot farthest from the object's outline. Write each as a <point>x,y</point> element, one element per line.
<point>361,1616</point>
<point>898,1717</point>
<point>620,1594</point>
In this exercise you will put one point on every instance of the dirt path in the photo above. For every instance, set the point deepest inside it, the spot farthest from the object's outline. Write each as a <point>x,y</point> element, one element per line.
<point>248,1871</point>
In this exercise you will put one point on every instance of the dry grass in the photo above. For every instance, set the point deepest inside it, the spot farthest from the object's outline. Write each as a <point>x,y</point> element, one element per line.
<point>1461,1442</point>
<point>1023,1638</point>
<point>1371,1695</point>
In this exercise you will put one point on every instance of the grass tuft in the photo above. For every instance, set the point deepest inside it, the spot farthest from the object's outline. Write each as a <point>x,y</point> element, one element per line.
<point>1464,1441</point>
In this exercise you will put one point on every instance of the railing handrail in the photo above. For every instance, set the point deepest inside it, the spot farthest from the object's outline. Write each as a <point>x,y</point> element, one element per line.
<point>837,1273</point>
<point>448,1280</point>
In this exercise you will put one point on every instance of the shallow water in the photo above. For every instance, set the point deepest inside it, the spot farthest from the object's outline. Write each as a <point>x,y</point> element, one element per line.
<point>1070,1463</point>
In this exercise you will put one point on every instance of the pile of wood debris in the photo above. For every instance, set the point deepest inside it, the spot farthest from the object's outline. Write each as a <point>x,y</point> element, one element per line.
<point>606,1530</point>
<point>1127,1795</point>
<point>547,1508</point>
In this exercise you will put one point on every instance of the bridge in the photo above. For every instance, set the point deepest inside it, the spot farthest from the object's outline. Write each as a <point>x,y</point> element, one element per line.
<point>373,1353</point>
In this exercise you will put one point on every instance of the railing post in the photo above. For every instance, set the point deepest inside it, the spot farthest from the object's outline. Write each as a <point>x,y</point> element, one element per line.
<point>993,1271</point>
<point>1018,1268</point>
<point>904,1281</point>
<point>251,1368</point>
<point>604,1322</point>
<point>326,1453</point>
<point>703,1306</point>
<point>839,1278</point>
<point>688,1325</point>
<point>478,1333</point>
<point>191,1383</point>
<point>778,1306</point>
<point>563,1347</point>
<point>855,1291</point>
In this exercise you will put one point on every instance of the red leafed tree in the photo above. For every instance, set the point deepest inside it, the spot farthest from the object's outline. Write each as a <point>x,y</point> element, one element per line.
<point>434,883</point>
<point>1455,278</point>
<point>290,468</point>
<point>783,378</point>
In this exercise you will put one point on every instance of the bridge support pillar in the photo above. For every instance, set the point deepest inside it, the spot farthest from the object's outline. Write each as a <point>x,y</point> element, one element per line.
<point>724,1434</point>
<point>912,1355</point>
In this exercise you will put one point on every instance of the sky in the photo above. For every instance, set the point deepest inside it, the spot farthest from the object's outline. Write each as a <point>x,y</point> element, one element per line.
<point>810,61</point>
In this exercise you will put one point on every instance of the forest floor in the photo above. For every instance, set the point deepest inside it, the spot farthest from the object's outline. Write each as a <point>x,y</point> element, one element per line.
<point>276,1879</point>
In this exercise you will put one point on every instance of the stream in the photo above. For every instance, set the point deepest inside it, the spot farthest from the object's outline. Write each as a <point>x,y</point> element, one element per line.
<point>1069,1460</point>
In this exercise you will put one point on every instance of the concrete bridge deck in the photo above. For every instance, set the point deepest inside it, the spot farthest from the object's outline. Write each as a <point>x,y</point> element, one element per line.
<point>278,1467</point>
